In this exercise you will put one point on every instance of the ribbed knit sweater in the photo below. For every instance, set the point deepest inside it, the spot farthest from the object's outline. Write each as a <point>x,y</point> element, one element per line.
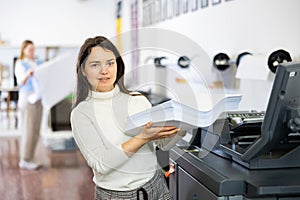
<point>98,127</point>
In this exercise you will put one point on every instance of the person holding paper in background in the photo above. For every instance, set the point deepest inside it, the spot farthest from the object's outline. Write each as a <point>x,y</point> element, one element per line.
<point>29,104</point>
<point>124,167</point>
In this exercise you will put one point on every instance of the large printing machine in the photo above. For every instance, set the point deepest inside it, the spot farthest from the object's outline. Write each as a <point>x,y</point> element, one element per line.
<point>245,155</point>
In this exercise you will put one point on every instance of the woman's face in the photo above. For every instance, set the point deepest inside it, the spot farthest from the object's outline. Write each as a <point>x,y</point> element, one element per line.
<point>29,51</point>
<point>101,69</point>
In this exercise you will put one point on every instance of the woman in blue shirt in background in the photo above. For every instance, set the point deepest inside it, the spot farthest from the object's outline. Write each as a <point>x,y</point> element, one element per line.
<point>29,104</point>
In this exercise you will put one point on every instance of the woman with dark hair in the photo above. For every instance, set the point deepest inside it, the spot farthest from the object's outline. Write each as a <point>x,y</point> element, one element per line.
<point>124,167</point>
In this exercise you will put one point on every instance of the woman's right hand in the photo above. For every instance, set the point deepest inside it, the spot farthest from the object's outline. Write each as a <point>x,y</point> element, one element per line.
<point>150,132</point>
<point>30,73</point>
<point>147,134</point>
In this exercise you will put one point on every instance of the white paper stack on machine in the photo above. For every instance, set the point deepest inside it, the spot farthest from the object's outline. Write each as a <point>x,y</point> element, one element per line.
<point>173,113</point>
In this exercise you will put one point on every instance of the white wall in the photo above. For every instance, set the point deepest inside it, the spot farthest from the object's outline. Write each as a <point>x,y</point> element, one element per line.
<point>65,24</point>
<point>55,22</point>
<point>254,25</point>
<point>232,27</point>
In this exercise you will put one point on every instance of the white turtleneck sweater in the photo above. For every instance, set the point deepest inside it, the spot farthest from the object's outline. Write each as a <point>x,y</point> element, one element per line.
<point>97,126</point>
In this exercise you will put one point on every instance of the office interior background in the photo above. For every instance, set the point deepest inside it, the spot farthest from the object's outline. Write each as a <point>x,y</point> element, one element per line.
<point>230,27</point>
<point>214,26</point>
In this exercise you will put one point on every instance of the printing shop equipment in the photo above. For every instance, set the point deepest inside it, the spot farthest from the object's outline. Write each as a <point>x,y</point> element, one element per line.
<point>246,155</point>
<point>277,57</point>
<point>200,174</point>
<point>278,143</point>
<point>263,140</point>
<point>238,128</point>
<point>221,61</point>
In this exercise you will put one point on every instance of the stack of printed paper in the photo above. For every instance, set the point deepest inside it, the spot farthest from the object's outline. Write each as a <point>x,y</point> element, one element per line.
<point>173,113</point>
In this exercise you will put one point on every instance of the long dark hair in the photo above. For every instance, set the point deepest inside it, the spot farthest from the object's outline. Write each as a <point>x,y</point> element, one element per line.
<point>83,86</point>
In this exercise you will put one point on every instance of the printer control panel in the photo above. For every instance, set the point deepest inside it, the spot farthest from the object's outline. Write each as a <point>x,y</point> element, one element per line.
<point>245,119</point>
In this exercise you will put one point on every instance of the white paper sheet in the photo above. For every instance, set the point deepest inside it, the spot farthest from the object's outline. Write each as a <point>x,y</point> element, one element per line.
<point>254,67</point>
<point>57,78</point>
<point>173,113</point>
